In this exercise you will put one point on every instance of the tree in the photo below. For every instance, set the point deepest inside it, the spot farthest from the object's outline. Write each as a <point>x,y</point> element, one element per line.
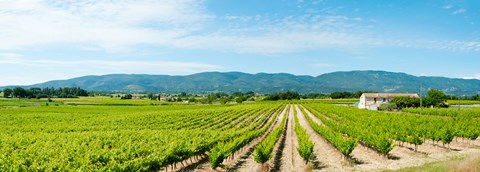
<point>19,92</point>
<point>406,102</point>
<point>237,94</point>
<point>289,95</point>
<point>192,100</point>
<point>437,97</point>
<point>223,100</point>
<point>341,95</point>
<point>314,96</point>
<point>183,94</point>
<point>249,94</point>
<point>127,96</point>
<point>150,96</point>
<point>7,92</point>
<point>240,99</point>
<point>35,90</point>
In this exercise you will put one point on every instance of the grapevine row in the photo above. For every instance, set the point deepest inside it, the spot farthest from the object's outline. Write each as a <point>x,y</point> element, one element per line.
<point>305,145</point>
<point>263,151</point>
<point>344,144</point>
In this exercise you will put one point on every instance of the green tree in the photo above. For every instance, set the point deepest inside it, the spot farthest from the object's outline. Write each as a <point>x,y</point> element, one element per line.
<point>249,94</point>
<point>240,99</point>
<point>437,97</point>
<point>237,94</point>
<point>404,102</point>
<point>342,95</point>
<point>223,100</point>
<point>7,92</point>
<point>19,92</point>
<point>192,100</point>
<point>127,96</point>
<point>289,95</point>
<point>150,96</point>
<point>183,94</point>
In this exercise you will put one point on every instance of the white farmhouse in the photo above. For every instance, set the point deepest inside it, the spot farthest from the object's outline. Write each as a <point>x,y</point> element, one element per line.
<point>373,100</point>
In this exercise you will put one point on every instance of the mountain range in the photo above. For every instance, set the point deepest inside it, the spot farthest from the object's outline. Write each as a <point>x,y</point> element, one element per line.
<point>378,81</point>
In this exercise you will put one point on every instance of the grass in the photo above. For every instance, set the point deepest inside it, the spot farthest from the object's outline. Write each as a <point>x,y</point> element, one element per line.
<point>463,102</point>
<point>105,101</point>
<point>470,164</point>
<point>109,101</point>
<point>14,102</point>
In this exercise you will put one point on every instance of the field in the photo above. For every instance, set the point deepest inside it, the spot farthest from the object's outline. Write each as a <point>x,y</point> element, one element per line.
<point>104,134</point>
<point>463,102</point>
<point>452,112</point>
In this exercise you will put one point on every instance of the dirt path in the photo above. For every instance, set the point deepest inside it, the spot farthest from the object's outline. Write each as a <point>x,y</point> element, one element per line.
<point>361,154</point>
<point>327,157</point>
<point>291,160</point>
<point>243,121</point>
<point>246,163</point>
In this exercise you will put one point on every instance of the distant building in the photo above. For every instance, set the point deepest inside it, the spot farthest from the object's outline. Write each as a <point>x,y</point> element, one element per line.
<point>136,96</point>
<point>373,100</point>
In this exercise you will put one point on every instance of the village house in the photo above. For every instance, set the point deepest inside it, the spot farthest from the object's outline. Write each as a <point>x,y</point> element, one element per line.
<point>136,96</point>
<point>373,100</point>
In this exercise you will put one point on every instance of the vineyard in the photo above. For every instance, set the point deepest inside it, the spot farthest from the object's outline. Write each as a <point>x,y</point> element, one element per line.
<point>262,136</point>
<point>451,112</point>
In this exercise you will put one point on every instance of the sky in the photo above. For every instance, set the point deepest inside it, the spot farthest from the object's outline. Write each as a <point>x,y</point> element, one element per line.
<point>42,40</point>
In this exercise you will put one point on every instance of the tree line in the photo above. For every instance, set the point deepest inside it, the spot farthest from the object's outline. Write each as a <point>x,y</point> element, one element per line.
<point>292,95</point>
<point>435,98</point>
<point>48,92</point>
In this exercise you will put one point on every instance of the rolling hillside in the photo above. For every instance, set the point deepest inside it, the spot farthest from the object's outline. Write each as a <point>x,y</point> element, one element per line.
<point>380,81</point>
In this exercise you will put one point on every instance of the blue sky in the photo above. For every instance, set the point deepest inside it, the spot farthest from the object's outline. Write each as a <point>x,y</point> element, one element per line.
<point>43,40</point>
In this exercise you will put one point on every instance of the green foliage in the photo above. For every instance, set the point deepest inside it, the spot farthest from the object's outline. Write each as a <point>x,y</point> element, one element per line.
<point>451,112</point>
<point>124,138</point>
<point>305,145</point>
<point>378,129</point>
<point>223,101</point>
<point>127,96</point>
<point>382,144</point>
<point>151,96</point>
<point>240,99</point>
<point>463,102</point>
<point>225,149</point>
<point>405,102</point>
<point>314,96</point>
<point>436,98</point>
<point>263,151</point>
<point>387,107</point>
<point>38,93</point>
<point>344,144</point>
<point>19,92</point>
<point>289,95</point>
<point>7,92</point>
<point>446,135</point>
<point>342,95</point>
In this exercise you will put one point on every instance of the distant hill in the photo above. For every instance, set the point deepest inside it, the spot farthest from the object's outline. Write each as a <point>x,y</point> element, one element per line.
<point>206,82</point>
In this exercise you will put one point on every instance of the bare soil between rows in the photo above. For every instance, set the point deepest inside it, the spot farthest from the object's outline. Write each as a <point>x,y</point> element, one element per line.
<point>328,158</point>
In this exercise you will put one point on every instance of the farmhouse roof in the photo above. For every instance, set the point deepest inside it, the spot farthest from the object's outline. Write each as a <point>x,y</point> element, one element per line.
<point>387,95</point>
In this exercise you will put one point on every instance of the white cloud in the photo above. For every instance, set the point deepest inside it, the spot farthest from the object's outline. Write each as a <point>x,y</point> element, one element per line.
<point>267,35</point>
<point>120,26</point>
<point>475,76</point>
<point>448,6</point>
<point>459,11</point>
<point>111,25</point>
<point>122,66</point>
<point>283,42</point>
